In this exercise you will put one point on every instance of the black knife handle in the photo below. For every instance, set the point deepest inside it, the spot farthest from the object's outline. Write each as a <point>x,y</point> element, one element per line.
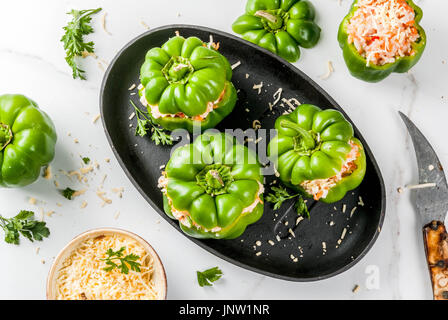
<point>435,238</point>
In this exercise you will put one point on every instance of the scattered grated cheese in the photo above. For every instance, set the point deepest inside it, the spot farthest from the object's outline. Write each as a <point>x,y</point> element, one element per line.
<point>103,23</point>
<point>343,233</point>
<point>49,213</point>
<point>329,72</point>
<point>235,65</point>
<point>95,119</point>
<point>360,202</point>
<point>32,201</point>
<point>78,193</point>
<point>353,211</point>
<point>299,219</point>
<point>82,275</point>
<point>144,24</point>
<point>47,172</point>
<point>258,87</point>
<point>256,124</point>
<point>291,232</point>
<point>277,96</point>
<point>118,191</point>
<point>101,194</point>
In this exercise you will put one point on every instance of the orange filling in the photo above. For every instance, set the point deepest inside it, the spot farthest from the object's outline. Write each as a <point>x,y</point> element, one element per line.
<point>319,188</point>
<point>383,30</point>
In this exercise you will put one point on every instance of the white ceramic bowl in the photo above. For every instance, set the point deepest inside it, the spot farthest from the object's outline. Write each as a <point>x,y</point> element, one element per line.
<point>159,271</point>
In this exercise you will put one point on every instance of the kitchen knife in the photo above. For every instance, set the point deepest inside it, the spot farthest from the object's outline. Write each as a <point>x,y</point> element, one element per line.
<point>431,201</point>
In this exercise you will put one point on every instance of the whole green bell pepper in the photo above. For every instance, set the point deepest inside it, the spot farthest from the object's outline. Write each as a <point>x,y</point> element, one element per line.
<point>214,187</point>
<point>186,83</point>
<point>27,140</point>
<point>315,144</point>
<point>357,64</point>
<point>280,26</point>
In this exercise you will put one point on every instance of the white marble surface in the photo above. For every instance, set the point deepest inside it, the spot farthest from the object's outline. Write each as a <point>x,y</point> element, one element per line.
<point>32,63</point>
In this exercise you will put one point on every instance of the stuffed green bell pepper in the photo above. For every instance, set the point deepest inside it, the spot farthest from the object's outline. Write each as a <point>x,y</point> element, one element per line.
<point>315,153</point>
<point>27,140</point>
<point>186,83</point>
<point>280,26</point>
<point>379,37</point>
<point>213,187</point>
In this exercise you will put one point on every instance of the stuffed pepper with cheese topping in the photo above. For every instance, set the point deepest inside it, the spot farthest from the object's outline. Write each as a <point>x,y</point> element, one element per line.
<point>213,187</point>
<point>379,37</point>
<point>186,83</point>
<point>315,153</point>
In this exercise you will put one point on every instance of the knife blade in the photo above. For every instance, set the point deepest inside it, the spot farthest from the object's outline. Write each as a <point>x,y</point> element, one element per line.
<point>431,202</point>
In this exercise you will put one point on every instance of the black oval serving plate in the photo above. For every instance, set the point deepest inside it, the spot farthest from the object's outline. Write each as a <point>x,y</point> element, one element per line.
<point>318,245</point>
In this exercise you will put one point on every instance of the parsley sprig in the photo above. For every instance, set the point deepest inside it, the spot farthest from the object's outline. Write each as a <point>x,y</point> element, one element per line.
<point>25,225</point>
<point>207,277</point>
<point>126,262</point>
<point>73,39</point>
<point>145,124</point>
<point>68,193</point>
<point>280,195</point>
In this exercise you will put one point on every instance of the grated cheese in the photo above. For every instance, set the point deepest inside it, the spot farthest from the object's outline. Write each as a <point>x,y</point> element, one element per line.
<point>82,276</point>
<point>320,188</point>
<point>383,30</point>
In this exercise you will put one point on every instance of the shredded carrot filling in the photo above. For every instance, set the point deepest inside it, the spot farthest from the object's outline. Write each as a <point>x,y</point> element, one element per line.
<point>383,30</point>
<point>319,188</point>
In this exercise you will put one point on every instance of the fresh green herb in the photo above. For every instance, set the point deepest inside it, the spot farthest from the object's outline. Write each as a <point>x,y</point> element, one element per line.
<point>68,193</point>
<point>126,262</point>
<point>280,195</point>
<point>301,208</point>
<point>73,39</point>
<point>86,160</point>
<point>205,278</point>
<point>145,123</point>
<point>25,225</point>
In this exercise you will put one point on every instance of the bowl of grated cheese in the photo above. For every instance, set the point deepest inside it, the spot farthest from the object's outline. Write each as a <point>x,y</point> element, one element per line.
<point>107,264</point>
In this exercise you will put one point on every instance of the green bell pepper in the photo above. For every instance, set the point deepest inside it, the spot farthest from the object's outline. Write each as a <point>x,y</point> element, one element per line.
<point>314,144</point>
<point>280,26</point>
<point>27,140</point>
<point>186,83</point>
<point>357,64</point>
<point>214,187</point>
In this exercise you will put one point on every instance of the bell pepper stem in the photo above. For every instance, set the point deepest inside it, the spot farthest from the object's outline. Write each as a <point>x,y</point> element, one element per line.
<point>215,174</point>
<point>5,136</point>
<point>307,138</point>
<point>266,15</point>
